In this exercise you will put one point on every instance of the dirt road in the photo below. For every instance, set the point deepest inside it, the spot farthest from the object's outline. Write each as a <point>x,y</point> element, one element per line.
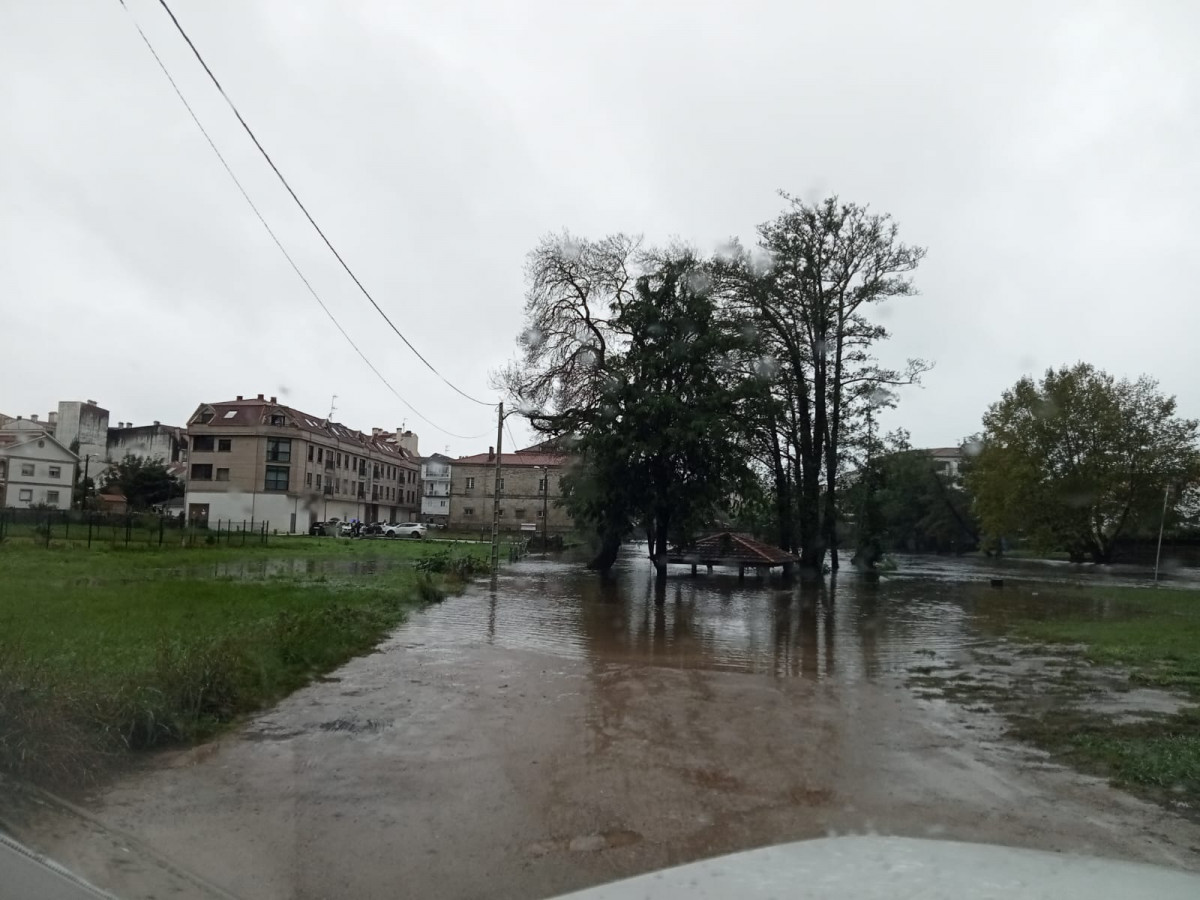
<point>554,734</point>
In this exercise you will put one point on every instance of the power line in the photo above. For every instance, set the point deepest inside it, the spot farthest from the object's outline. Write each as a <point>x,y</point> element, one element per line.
<point>510,435</point>
<point>275,238</point>
<point>308,216</point>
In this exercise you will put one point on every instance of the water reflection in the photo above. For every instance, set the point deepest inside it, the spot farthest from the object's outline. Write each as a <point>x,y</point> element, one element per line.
<point>842,630</point>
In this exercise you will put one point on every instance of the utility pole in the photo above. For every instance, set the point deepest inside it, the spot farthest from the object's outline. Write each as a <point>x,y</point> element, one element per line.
<point>1161,522</point>
<point>496,491</point>
<point>545,507</point>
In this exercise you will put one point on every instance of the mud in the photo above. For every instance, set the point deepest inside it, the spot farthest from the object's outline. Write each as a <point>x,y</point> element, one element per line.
<point>558,732</point>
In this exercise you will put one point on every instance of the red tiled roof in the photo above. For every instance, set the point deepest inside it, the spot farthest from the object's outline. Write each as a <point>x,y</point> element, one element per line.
<point>253,412</point>
<point>729,547</point>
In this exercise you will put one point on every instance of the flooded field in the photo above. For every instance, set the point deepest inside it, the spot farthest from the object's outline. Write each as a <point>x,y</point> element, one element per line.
<point>554,730</point>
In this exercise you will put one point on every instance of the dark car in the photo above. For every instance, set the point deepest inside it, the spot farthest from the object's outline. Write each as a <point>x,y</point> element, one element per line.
<point>316,528</point>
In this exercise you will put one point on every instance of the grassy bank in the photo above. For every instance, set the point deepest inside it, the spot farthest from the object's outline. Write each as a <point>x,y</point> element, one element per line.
<point>1102,644</point>
<point>106,651</point>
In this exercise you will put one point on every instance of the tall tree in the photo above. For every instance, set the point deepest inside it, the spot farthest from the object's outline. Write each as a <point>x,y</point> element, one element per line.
<point>1079,459</point>
<point>826,264</point>
<point>661,446</point>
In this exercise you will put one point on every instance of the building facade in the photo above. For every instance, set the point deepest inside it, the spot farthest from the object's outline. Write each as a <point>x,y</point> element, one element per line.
<point>435,489</point>
<point>530,486</point>
<point>259,460</point>
<point>35,470</point>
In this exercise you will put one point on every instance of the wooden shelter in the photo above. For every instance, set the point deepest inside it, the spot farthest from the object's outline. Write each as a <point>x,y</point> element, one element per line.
<point>727,548</point>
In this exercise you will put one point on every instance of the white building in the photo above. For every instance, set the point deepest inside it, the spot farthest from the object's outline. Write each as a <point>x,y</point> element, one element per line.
<point>35,470</point>
<point>435,489</point>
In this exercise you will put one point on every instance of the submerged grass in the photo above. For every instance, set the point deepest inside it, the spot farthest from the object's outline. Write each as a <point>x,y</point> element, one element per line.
<point>103,652</point>
<point>1105,639</point>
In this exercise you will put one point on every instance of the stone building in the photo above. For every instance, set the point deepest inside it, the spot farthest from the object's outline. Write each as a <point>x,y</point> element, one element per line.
<point>530,485</point>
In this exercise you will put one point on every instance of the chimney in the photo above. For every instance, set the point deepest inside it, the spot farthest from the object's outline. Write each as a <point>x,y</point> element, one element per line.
<point>239,396</point>
<point>260,396</point>
<point>52,418</point>
<point>491,453</point>
<point>274,400</point>
<point>33,417</point>
<point>156,422</point>
<point>92,402</point>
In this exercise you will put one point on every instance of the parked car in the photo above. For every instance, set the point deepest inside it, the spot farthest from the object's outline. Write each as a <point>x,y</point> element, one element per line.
<point>405,529</point>
<point>374,528</point>
<point>347,529</point>
<point>316,528</point>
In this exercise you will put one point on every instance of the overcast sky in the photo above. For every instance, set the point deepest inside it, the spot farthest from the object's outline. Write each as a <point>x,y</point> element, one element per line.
<point>1047,154</point>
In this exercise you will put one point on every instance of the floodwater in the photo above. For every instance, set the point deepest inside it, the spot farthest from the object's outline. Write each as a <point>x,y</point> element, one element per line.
<point>556,730</point>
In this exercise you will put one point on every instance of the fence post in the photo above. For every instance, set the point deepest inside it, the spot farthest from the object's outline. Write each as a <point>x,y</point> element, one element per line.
<point>243,532</point>
<point>160,530</point>
<point>89,521</point>
<point>48,522</point>
<point>67,525</point>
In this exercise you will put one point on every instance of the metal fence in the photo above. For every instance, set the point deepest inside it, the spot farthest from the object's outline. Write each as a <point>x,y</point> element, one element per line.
<point>83,528</point>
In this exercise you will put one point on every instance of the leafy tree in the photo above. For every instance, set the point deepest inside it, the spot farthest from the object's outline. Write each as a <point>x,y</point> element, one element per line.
<point>1080,459</point>
<point>662,444</point>
<point>145,482</point>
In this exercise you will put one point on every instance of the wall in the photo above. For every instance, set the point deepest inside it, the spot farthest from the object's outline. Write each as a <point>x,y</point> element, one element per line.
<point>41,484</point>
<point>520,500</point>
<point>86,423</point>
<point>152,441</point>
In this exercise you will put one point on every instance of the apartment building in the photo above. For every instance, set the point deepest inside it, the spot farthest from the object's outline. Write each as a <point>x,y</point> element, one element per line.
<point>35,470</point>
<point>262,460</point>
<point>530,485</point>
<point>435,489</point>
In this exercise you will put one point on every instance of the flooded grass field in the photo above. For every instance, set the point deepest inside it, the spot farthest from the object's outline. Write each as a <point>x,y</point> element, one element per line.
<point>555,730</point>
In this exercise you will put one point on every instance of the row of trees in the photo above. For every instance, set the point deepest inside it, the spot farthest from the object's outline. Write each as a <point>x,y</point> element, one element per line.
<point>696,388</point>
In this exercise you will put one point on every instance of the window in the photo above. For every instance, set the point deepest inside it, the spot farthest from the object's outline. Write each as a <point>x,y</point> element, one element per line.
<point>25,496</point>
<point>201,472</point>
<point>541,485</point>
<point>320,454</point>
<point>55,472</point>
<point>442,504</point>
<point>468,510</point>
<point>205,418</point>
<point>501,484</point>
<point>277,478</point>
<point>52,497</point>
<point>225,445</point>
<point>539,513</point>
<point>470,484</point>
<point>202,443</point>
<point>222,474</point>
<point>276,419</point>
<point>318,479</point>
<point>27,470</point>
<point>310,452</point>
<point>308,476</point>
<point>519,513</point>
<point>231,414</point>
<point>279,449</point>
<point>339,460</point>
<point>501,512</point>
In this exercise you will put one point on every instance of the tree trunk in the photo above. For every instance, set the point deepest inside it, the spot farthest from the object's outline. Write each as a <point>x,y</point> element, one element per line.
<point>783,493</point>
<point>659,551</point>
<point>610,547</point>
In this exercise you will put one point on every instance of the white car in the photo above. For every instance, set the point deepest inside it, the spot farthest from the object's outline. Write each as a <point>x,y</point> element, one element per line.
<point>405,529</point>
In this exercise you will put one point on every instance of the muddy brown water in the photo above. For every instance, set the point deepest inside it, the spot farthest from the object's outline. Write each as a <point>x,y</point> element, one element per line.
<point>555,730</point>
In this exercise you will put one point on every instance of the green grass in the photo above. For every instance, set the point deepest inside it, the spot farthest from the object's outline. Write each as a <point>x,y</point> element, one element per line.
<point>1151,635</point>
<point>107,650</point>
<point>1155,634</point>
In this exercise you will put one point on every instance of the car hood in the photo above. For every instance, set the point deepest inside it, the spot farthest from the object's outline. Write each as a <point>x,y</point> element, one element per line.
<point>890,868</point>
